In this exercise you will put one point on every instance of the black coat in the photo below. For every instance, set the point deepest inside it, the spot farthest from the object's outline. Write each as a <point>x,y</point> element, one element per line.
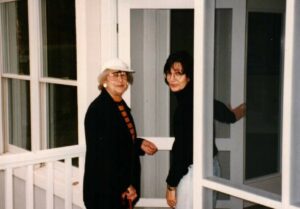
<point>112,158</point>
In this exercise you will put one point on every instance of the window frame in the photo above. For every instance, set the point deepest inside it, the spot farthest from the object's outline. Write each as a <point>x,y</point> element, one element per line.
<point>37,82</point>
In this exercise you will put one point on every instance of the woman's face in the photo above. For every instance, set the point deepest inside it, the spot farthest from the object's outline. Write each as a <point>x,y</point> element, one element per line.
<point>176,78</point>
<point>117,84</point>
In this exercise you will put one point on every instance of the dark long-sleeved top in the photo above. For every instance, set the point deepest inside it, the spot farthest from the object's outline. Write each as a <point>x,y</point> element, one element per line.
<point>222,114</point>
<point>182,150</point>
<point>112,157</point>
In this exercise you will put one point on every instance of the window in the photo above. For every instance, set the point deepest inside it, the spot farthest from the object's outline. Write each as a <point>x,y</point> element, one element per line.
<point>15,65</point>
<point>38,73</point>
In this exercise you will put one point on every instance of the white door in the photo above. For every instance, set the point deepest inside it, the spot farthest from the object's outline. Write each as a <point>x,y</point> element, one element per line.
<point>144,42</point>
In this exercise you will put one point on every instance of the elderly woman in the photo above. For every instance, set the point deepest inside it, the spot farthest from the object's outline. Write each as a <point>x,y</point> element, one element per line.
<point>112,166</point>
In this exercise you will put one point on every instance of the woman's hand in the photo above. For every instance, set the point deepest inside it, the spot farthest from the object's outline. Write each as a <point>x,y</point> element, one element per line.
<point>171,196</point>
<point>148,147</point>
<point>130,194</point>
<point>239,111</point>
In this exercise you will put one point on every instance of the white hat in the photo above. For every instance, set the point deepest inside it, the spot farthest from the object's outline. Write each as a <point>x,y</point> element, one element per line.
<point>116,64</point>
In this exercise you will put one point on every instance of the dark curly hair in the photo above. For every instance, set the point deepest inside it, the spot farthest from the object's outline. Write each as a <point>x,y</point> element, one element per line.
<point>186,61</point>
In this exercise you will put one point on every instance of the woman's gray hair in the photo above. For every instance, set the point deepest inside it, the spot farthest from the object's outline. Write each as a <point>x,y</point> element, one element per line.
<point>103,76</point>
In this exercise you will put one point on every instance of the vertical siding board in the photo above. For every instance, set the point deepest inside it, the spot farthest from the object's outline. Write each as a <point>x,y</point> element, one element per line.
<point>8,189</point>
<point>50,186</point>
<point>29,187</point>
<point>68,183</point>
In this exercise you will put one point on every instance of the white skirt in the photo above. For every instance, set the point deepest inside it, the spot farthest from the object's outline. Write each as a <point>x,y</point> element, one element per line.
<point>184,191</point>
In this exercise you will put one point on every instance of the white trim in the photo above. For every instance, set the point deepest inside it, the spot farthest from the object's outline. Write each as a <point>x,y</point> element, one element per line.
<point>88,42</point>
<point>295,142</point>
<point>28,158</point>
<point>203,76</point>
<point>8,189</point>
<point>109,42</point>
<point>36,65</point>
<point>287,124</point>
<point>6,1</point>
<point>244,192</point>
<point>29,187</point>
<point>58,81</point>
<point>166,4</point>
<point>16,76</point>
<point>68,183</point>
<point>82,65</point>
<point>83,70</point>
<point>124,37</point>
<point>50,186</point>
<point>238,95</point>
<point>1,83</point>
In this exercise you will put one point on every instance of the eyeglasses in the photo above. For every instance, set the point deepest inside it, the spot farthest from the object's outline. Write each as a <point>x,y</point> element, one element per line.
<point>119,74</point>
<point>176,75</point>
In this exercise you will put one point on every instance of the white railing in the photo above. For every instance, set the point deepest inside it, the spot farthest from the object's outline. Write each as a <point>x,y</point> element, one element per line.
<point>52,171</point>
<point>45,170</point>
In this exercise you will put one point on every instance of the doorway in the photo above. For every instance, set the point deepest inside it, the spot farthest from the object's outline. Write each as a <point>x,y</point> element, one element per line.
<point>146,47</point>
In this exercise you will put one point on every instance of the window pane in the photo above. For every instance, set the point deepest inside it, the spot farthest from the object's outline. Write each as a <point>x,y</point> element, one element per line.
<point>19,113</point>
<point>59,39</point>
<point>62,115</point>
<point>264,94</point>
<point>15,37</point>
<point>223,36</point>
